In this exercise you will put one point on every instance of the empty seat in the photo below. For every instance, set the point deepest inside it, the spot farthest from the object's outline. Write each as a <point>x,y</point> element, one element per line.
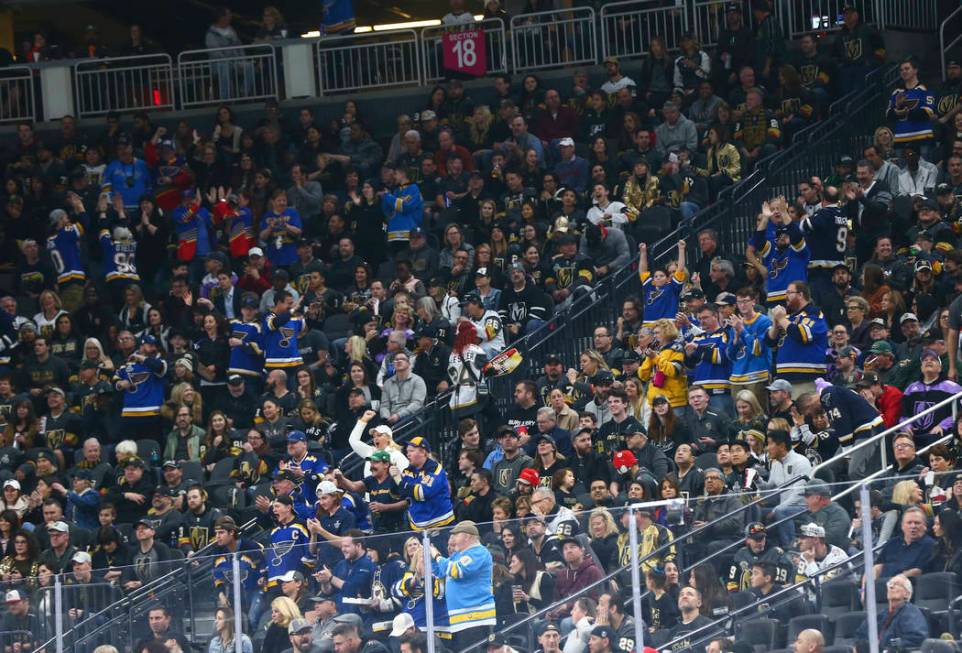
<point>839,597</point>
<point>148,450</point>
<point>760,634</point>
<point>845,627</point>
<point>936,590</point>
<point>193,470</point>
<point>817,621</point>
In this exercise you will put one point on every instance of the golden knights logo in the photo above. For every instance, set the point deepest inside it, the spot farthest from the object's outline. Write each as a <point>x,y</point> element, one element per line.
<point>199,537</point>
<point>807,74</point>
<point>853,49</point>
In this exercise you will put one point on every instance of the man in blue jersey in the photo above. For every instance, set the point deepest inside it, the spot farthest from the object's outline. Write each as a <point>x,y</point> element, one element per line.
<point>425,484</point>
<point>706,354</point>
<point>786,257</point>
<point>141,379</point>
<point>800,334</point>
<point>289,541</point>
<point>826,233</point>
<point>246,355</point>
<point>750,355</point>
<point>127,176</point>
<point>64,248</point>
<point>467,575</point>
<point>851,419</point>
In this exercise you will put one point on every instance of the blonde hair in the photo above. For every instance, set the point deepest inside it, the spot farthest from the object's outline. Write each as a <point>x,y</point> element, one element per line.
<point>356,348</point>
<point>177,400</point>
<point>602,513</point>
<point>103,359</point>
<point>667,327</point>
<point>749,398</point>
<point>287,609</point>
<point>902,492</point>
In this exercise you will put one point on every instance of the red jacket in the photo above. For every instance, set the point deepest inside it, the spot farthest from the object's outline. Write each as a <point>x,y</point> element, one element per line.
<point>570,582</point>
<point>890,405</point>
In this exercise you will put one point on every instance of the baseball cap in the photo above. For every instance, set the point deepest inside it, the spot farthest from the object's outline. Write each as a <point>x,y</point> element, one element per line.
<point>943,189</point>
<point>553,358</point>
<point>517,266</point>
<point>401,624</point>
<point>481,272</point>
<point>868,379</point>
<point>756,531</point>
<point>473,298</point>
<point>812,530</point>
<point>923,264</point>
<point>291,575</point>
<point>81,557</point>
<point>171,463</point>
<point>725,299</point>
<point>566,142</point>
<point>134,461</point>
<point>148,339</point>
<point>929,203</point>
<point>235,380</point>
<point>732,7</point>
<point>297,436</point>
<point>845,160</point>
<point>144,522</point>
<point>59,527</point>
<point>780,384</point>
<point>11,482</point>
<point>298,625</point>
<point>659,399</point>
<point>930,353</point>
<point>908,317</point>
<point>326,487</point>
<point>349,618</point>
<point>623,461</point>
<point>58,390</point>
<point>420,442</point>
<point>226,523</point>
<point>466,526</point>
<point>250,300</point>
<point>284,475</point>
<point>817,488</point>
<point>881,347</point>
<point>847,351</point>
<point>380,457</point>
<point>165,491</point>
<point>530,476</point>
<point>602,631</point>
<point>694,293</point>
<point>255,251</point>
<point>603,376</point>
<point>417,231</point>
<point>13,596</point>
<point>382,429</point>
<point>877,322</point>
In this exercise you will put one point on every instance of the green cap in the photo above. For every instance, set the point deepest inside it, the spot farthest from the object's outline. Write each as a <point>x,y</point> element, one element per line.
<point>380,457</point>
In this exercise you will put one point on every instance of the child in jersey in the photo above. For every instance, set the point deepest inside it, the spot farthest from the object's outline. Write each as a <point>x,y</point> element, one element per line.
<point>660,290</point>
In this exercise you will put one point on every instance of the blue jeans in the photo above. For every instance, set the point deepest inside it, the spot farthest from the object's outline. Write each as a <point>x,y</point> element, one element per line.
<point>688,210</point>
<point>784,534</point>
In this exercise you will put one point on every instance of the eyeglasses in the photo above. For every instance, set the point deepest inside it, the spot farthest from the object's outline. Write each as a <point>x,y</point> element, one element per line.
<point>853,308</point>
<point>903,445</point>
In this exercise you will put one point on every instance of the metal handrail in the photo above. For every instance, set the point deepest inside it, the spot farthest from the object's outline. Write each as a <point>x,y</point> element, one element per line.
<point>943,48</point>
<point>128,602</point>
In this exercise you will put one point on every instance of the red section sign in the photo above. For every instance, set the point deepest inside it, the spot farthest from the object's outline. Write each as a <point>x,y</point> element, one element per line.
<point>465,52</point>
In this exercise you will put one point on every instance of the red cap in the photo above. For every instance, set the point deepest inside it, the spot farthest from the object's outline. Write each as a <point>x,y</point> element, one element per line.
<point>623,461</point>
<point>530,476</point>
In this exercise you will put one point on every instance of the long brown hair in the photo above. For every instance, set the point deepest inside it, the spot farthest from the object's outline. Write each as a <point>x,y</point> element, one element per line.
<point>660,432</point>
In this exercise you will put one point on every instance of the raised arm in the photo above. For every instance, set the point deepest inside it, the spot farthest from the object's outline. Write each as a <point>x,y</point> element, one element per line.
<point>642,258</point>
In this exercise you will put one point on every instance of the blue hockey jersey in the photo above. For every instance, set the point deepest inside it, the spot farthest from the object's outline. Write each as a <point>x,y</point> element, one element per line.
<point>120,258</point>
<point>279,337</point>
<point>467,587</point>
<point>784,266</point>
<point>251,567</point>
<point>409,592</point>
<point>851,417</point>
<point>430,496</point>
<point>750,355</point>
<point>288,545</point>
<point>660,302</point>
<point>246,359</point>
<point>405,210</point>
<point>281,243</point>
<point>801,348</point>
<point>710,362</point>
<point>913,120</point>
<point>64,250</point>
<point>146,394</point>
<point>826,234</point>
